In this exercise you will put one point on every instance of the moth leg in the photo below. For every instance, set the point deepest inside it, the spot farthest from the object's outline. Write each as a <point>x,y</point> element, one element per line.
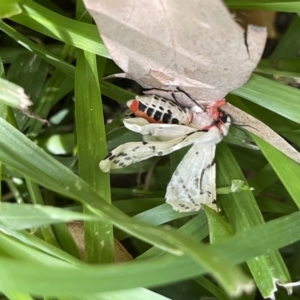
<point>189,96</point>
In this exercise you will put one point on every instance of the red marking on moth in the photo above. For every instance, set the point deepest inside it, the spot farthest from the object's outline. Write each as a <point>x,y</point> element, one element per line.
<point>134,107</point>
<point>216,114</point>
<point>214,111</point>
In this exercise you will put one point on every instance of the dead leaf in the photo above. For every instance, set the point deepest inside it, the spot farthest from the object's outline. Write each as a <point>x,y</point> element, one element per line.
<point>262,130</point>
<point>197,46</point>
<point>77,231</point>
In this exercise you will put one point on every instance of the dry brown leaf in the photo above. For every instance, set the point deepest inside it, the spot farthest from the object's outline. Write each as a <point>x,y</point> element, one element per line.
<point>196,46</point>
<point>262,130</point>
<point>77,231</point>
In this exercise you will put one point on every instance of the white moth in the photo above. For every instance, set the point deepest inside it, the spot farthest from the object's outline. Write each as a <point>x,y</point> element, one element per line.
<point>193,182</point>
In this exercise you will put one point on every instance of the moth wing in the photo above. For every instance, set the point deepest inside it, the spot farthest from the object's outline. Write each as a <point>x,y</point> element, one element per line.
<point>159,131</point>
<point>193,182</point>
<point>130,153</point>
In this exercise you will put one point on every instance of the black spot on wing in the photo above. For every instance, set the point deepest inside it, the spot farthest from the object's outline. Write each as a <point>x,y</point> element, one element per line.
<point>122,154</point>
<point>145,143</point>
<point>175,121</point>
<point>110,156</point>
<point>196,181</point>
<point>202,175</point>
<point>187,192</point>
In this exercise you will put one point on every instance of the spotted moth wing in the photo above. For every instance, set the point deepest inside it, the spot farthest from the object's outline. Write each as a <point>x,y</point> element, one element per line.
<point>194,180</point>
<point>130,153</point>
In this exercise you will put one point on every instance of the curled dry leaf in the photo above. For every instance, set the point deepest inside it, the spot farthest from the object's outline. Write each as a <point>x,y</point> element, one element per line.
<point>262,130</point>
<point>197,46</point>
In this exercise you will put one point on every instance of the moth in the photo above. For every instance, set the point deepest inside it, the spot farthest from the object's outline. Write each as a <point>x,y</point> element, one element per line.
<point>167,127</point>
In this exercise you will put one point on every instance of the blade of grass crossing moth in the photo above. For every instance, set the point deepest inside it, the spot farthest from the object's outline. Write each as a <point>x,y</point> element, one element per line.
<point>243,213</point>
<point>99,244</point>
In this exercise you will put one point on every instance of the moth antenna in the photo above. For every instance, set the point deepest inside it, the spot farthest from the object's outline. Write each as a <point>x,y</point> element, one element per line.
<point>237,126</point>
<point>174,97</point>
<point>244,125</point>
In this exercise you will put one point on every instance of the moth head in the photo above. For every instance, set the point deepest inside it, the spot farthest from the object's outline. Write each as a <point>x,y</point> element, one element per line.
<point>225,122</point>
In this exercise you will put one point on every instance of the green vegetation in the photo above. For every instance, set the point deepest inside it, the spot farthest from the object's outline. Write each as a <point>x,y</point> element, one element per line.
<point>50,175</point>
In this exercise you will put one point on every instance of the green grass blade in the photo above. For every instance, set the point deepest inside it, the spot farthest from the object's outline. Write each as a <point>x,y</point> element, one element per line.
<point>287,170</point>
<point>263,91</point>
<point>80,35</point>
<point>43,53</point>
<point>242,211</point>
<point>99,243</point>
<point>286,6</point>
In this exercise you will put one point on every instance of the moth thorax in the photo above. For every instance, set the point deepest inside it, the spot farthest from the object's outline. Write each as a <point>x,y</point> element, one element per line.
<point>202,119</point>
